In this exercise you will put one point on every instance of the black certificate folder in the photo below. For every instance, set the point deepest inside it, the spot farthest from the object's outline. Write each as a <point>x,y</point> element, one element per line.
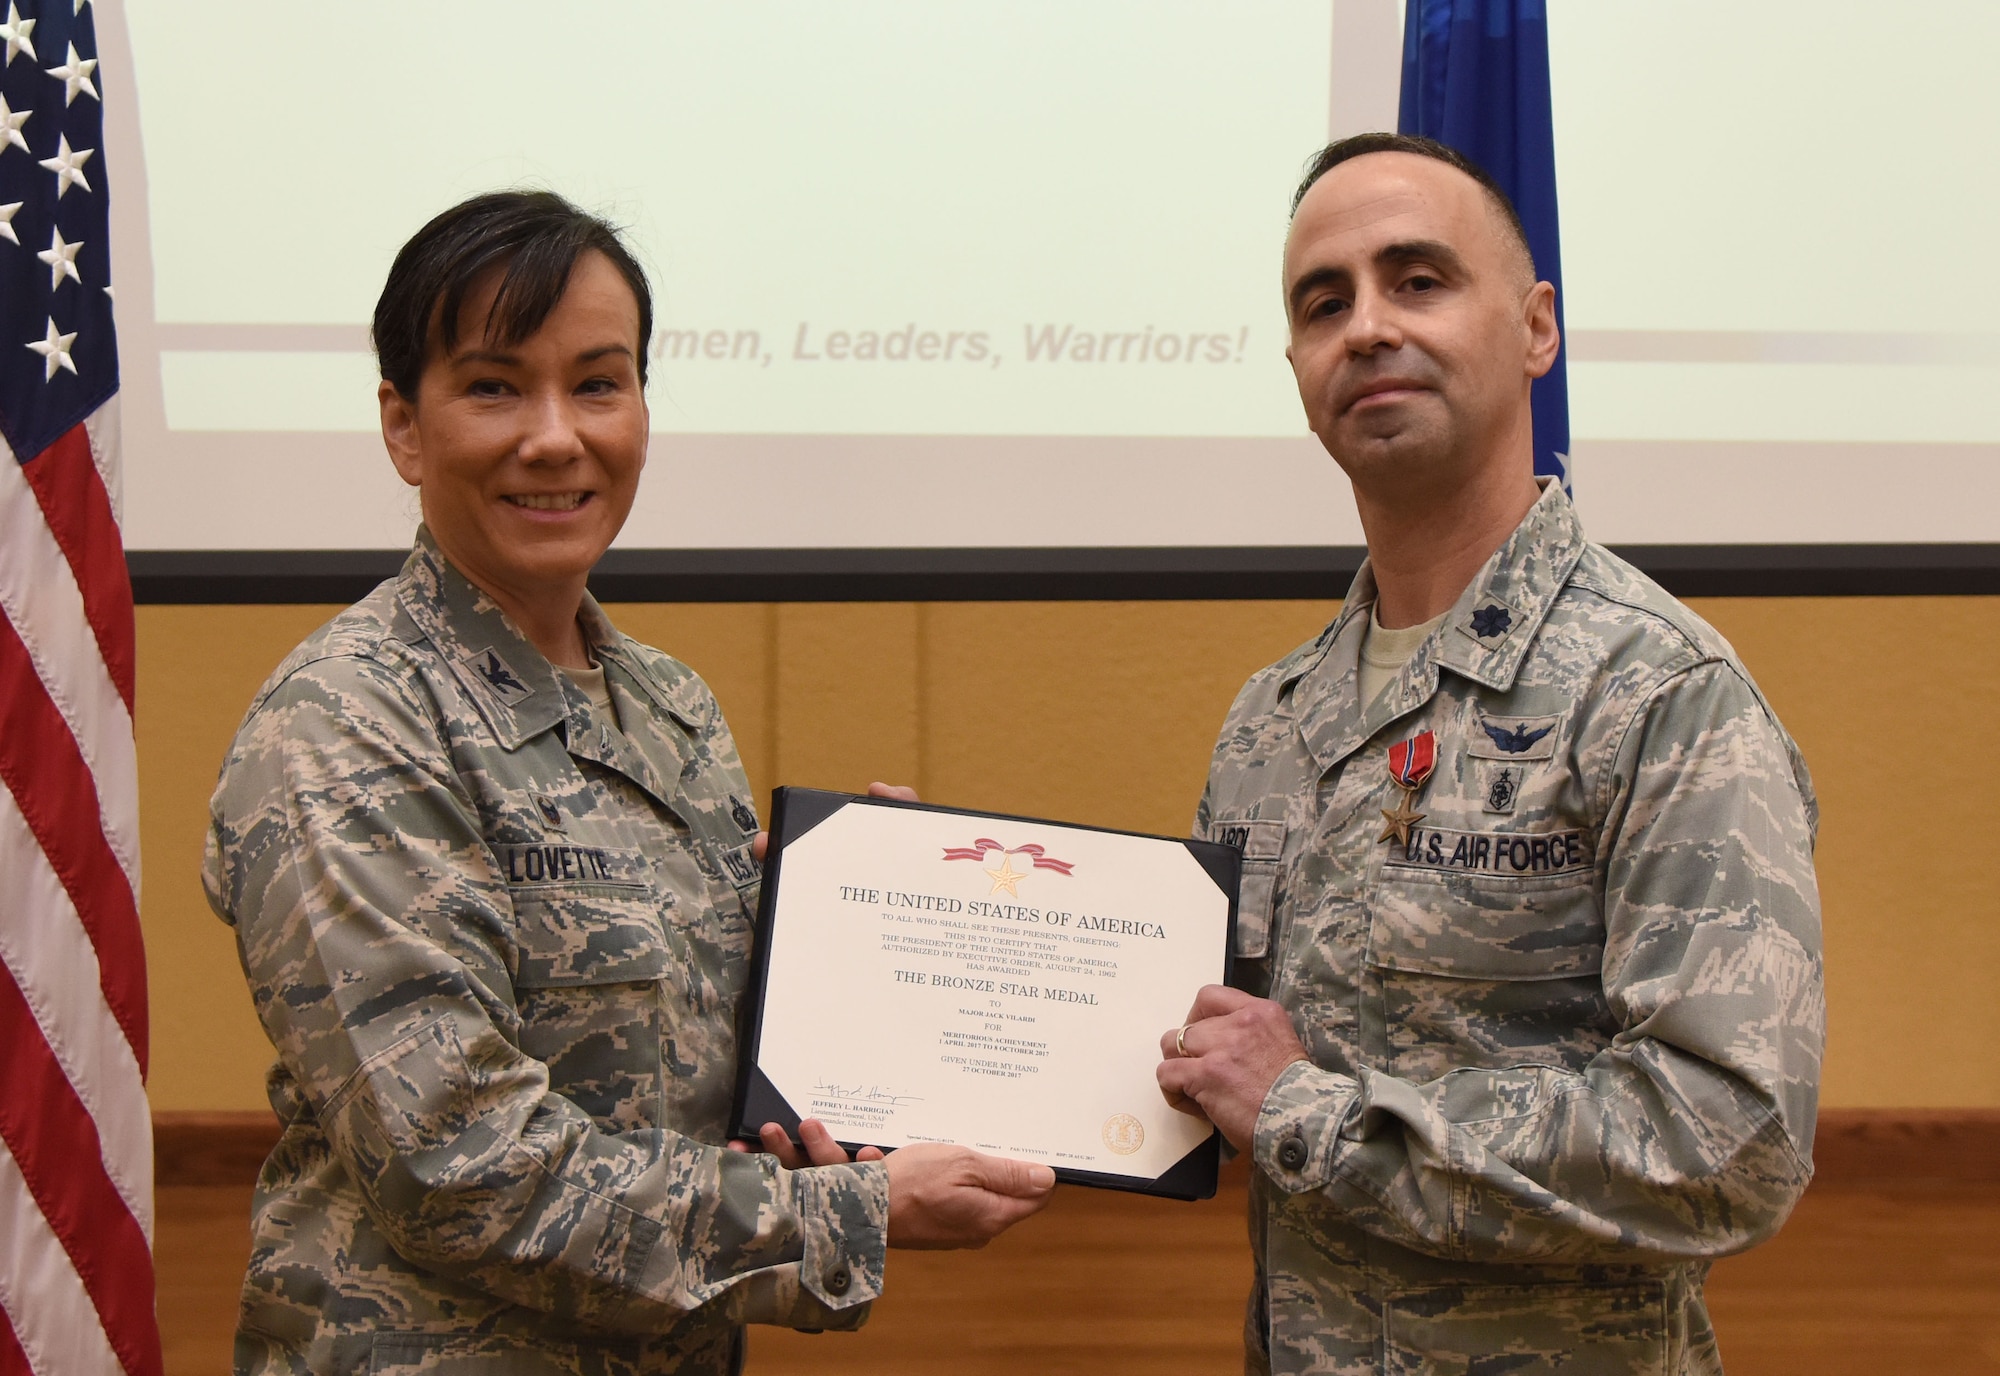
<point>930,974</point>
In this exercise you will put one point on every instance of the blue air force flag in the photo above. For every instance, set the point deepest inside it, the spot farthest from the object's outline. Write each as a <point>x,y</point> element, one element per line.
<point>1476,77</point>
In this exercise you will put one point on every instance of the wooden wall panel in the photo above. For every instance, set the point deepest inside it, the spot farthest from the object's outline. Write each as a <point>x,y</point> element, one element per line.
<point>849,709</point>
<point>198,669</point>
<point>1100,712</point>
<point>1105,712</point>
<point>1896,703</point>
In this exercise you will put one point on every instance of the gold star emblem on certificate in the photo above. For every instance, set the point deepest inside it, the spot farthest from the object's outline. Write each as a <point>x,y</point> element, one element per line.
<point>1006,878</point>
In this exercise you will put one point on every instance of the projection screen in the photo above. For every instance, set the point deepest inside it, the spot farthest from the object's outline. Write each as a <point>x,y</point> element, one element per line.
<point>1003,279</point>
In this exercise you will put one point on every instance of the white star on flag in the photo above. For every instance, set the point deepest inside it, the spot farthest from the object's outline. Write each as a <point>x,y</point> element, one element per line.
<point>15,34</point>
<point>60,255</point>
<point>68,165</point>
<point>54,351</point>
<point>79,8</point>
<point>7,214</point>
<point>75,76</point>
<point>11,121</point>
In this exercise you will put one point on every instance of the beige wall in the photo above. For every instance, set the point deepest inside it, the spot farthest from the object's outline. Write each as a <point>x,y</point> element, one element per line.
<point>1104,712</point>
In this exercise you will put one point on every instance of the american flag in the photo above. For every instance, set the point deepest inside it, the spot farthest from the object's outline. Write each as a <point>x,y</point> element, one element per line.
<point>76,1171</point>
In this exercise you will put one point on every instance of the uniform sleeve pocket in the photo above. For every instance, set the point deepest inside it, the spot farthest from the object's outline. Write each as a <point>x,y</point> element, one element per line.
<point>410,1097</point>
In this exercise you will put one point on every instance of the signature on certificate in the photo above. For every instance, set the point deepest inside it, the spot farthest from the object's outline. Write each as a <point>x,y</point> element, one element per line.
<point>864,1093</point>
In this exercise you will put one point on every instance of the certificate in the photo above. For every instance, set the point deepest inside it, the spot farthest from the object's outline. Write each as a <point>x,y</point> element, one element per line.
<point>926,974</point>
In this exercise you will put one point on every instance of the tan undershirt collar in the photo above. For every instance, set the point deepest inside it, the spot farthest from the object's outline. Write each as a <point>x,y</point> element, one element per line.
<point>1384,652</point>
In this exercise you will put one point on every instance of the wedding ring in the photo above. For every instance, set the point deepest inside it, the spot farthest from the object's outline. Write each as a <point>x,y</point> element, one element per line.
<point>1180,1040</point>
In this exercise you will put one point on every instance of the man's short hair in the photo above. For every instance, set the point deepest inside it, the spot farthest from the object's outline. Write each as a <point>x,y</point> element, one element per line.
<point>1359,145</point>
<point>536,235</point>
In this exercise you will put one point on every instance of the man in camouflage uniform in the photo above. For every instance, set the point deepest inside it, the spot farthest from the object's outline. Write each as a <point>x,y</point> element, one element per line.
<point>1527,1037</point>
<point>490,865</point>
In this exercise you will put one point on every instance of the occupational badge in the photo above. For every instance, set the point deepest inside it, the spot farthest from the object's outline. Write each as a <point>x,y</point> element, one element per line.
<point>551,814</point>
<point>1410,763</point>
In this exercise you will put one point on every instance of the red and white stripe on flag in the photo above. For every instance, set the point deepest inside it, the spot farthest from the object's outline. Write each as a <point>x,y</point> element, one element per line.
<point>76,1171</point>
<point>76,1160</point>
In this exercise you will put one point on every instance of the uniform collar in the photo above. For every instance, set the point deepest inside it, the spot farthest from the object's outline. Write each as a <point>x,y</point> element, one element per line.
<point>1486,634</point>
<point>521,695</point>
<point>645,749</point>
<point>512,683</point>
<point>1484,637</point>
<point>677,697</point>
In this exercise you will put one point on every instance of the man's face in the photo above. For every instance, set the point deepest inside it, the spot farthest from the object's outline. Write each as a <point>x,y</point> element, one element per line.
<point>1416,323</point>
<point>527,456</point>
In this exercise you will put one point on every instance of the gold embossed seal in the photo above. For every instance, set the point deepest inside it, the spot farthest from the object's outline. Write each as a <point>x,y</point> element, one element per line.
<point>1124,1134</point>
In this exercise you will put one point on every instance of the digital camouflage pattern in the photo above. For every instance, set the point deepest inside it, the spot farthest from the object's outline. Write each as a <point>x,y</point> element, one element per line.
<point>1565,1040</point>
<point>500,946</point>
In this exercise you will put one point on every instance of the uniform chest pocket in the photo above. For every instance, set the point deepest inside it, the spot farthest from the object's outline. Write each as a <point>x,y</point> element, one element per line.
<point>1487,926</point>
<point>1262,841</point>
<point>591,986</point>
<point>582,938</point>
<point>585,915</point>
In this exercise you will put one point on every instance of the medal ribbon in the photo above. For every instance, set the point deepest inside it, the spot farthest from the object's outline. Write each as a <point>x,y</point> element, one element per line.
<point>1411,761</point>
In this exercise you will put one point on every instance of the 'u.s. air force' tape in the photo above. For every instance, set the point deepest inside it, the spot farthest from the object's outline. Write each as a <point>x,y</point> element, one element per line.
<point>525,866</point>
<point>743,871</point>
<point>1492,852</point>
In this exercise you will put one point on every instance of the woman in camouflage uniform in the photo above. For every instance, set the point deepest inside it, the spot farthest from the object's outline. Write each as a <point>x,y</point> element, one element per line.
<point>490,865</point>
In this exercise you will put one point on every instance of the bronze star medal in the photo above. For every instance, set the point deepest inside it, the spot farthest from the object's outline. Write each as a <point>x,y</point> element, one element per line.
<point>1410,763</point>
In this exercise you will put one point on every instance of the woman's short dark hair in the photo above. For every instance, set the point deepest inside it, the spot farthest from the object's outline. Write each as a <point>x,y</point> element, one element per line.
<point>537,235</point>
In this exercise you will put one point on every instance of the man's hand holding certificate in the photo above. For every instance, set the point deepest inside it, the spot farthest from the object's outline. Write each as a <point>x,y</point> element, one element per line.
<point>932,975</point>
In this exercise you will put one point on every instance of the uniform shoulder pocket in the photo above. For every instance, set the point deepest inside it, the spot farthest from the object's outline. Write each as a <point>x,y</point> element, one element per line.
<point>1262,841</point>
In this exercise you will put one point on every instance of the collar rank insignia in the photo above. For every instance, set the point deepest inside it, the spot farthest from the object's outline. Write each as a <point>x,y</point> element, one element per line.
<point>497,675</point>
<point>1488,622</point>
<point>1410,763</point>
<point>740,811</point>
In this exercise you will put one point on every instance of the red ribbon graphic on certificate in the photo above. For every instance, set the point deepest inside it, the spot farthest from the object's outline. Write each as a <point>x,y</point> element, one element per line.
<point>1005,878</point>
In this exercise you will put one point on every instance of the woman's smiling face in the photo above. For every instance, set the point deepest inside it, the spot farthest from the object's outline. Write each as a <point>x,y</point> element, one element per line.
<point>527,456</point>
